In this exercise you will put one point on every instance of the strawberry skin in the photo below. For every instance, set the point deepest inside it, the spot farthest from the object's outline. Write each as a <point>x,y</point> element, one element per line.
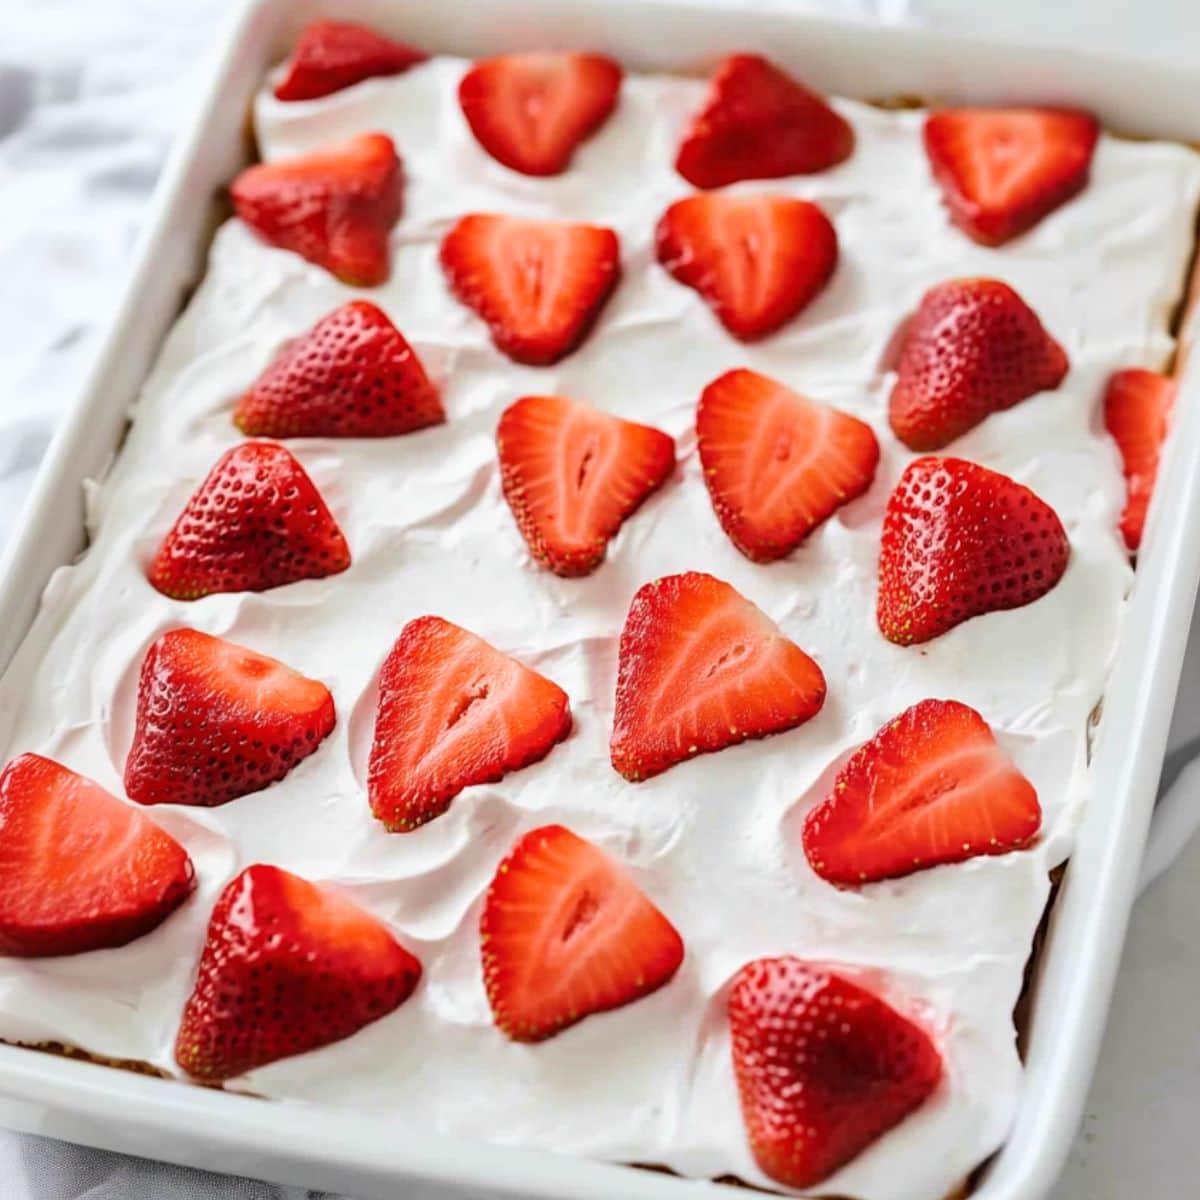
<point>531,111</point>
<point>1002,170</point>
<point>454,712</point>
<point>701,668</point>
<point>539,285</point>
<point>776,464</point>
<point>332,55</point>
<point>351,375</point>
<point>79,869</point>
<point>757,260</point>
<point>572,475</point>
<point>287,967</point>
<point>759,123</point>
<point>256,522</point>
<point>958,541</point>
<point>216,721</point>
<point>972,348</point>
<point>1137,412</point>
<point>334,207</point>
<point>931,787</point>
<point>824,1067</point>
<point>566,933</point>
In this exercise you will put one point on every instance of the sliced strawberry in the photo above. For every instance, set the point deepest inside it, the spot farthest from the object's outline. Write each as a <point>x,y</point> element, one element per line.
<point>1001,170</point>
<point>351,375</point>
<point>79,869</point>
<point>824,1067</point>
<point>701,668</point>
<point>454,712</point>
<point>572,474</point>
<point>759,123</point>
<point>776,464</point>
<point>960,540</point>
<point>332,55</point>
<point>531,111</point>
<point>757,260</point>
<point>566,933</point>
<point>932,786</point>
<point>1137,411</point>
<point>972,348</point>
<point>287,967</point>
<point>216,721</point>
<point>256,522</point>
<point>539,285</point>
<point>334,207</point>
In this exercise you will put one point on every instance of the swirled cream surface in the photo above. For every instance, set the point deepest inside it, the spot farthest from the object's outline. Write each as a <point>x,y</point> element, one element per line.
<point>714,842</point>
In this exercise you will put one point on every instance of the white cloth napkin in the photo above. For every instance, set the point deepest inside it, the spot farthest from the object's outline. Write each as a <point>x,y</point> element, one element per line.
<point>91,93</point>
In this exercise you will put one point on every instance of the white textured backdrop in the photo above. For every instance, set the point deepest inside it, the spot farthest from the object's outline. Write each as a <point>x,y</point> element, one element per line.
<point>91,94</point>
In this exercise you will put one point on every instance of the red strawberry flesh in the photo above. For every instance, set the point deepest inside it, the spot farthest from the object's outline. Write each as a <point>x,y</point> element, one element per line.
<point>216,721</point>
<point>288,966</point>
<point>454,712</point>
<point>777,465</point>
<point>351,375</point>
<point>931,787</point>
<point>566,933</point>
<point>79,869</point>
<point>332,55</point>
<point>700,669</point>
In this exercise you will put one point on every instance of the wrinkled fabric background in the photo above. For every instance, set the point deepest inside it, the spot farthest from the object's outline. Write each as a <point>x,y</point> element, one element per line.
<point>92,93</point>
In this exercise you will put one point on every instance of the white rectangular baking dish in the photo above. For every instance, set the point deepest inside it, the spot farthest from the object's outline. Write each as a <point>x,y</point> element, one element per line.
<point>365,1155</point>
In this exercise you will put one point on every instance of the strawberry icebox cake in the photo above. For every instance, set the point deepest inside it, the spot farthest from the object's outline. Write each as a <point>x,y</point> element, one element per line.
<point>592,638</point>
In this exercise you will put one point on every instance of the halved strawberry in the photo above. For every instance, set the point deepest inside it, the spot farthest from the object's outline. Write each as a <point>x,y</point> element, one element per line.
<point>701,668</point>
<point>1001,170</point>
<point>566,933</point>
<point>972,348</point>
<point>79,869</point>
<point>776,464</point>
<point>351,375</point>
<point>1137,412</point>
<point>824,1067</point>
<point>454,712</point>
<point>960,540</point>
<point>531,111</point>
<point>216,721</point>
<point>332,55</point>
<point>288,966</point>
<point>759,123</point>
<point>334,207</point>
<point>539,285</point>
<point>757,260</point>
<point>572,474</point>
<point>932,786</point>
<point>256,522</point>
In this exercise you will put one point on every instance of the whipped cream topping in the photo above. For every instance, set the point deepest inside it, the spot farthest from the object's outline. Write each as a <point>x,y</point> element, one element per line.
<point>714,842</point>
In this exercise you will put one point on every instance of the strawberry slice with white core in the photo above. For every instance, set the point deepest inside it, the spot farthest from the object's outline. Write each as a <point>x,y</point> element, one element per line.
<point>334,207</point>
<point>931,787</point>
<point>1137,413</point>
<point>572,475</point>
<point>701,668</point>
<point>454,712</point>
<point>1001,170</point>
<point>566,933</point>
<point>79,869</point>
<point>539,285</point>
<point>332,55</point>
<point>351,375</point>
<point>778,465</point>
<point>824,1067</point>
<point>757,260</point>
<point>532,111</point>
<point>288,966</point>
<point>216,721</point>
